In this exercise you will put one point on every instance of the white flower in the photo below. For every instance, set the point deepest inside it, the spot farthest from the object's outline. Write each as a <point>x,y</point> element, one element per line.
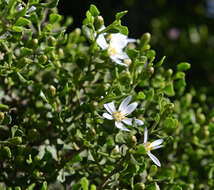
<point>152,146</point>
<point>120,115</point>
<point>115,47</point>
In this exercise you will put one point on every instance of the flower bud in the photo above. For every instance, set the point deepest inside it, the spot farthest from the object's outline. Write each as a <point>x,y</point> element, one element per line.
<point>128,62</point>
<point>169,72</point>
<point>51,41</point>
<point>99,22</point>
<point>61,52</point>
<point>139,186</point>
<point>53,90</point>
<point>201,118</point>
<point>43,59</point>
<point>151,70</point>
<point>35,42</point>
<point>15,140</point>
<point>77,31</point>
<point>132,141</point>
<point>1,117</point>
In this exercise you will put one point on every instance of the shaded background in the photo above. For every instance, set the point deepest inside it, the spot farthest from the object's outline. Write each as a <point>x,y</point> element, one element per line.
<point>182,30</point>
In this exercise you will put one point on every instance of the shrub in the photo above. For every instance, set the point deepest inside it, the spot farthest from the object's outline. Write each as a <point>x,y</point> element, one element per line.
<point>56,90</point>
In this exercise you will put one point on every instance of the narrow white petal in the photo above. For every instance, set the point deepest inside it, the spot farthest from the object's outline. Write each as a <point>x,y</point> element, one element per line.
<point>119,40</point>
<point>120,126</point>
<point>7,1</point>
<point>118,61</point>
<point>101,41</point>
<point>125,103</point>
<point>108,116</point>
<point>156,143</point>
<point>145,135</point>
<point>31,9</point>
<point>121,55</point>
<point>139,122</point>
<point>130,108</point>
<point>157,147</point>
<point>154,159</point>
<point>131,40</point>
<point>110,107</point>
<point>127,121</point>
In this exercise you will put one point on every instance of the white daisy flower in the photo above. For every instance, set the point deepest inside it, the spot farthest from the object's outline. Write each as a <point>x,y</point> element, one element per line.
<point>120,115</point>
<point>152,146</point>
<point>115,47</point>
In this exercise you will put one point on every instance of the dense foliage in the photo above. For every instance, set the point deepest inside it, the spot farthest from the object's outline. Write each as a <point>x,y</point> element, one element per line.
<point>56,88</point>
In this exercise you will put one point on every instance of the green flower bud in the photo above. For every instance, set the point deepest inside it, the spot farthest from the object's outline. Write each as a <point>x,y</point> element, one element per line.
<point>51,41</point>
<point>1,117</point>
<point>146,37</point>
<point>139,186</point>
<point>169,72</point>
<point>201,118</point>
<point>53,90</point>
<point>77,31</point>
<point>43,59</point>
<point>15,140</point>
<point>132,141</point>
<point>35,42</point>
<point>61,52</point>
<point>151,70</point>
<point>99,22</point>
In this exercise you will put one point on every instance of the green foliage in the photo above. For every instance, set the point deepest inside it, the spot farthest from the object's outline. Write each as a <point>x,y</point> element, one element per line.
<point>53,87</point>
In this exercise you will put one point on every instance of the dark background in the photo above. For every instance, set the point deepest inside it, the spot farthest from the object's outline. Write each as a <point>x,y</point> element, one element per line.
<point>193,20</point>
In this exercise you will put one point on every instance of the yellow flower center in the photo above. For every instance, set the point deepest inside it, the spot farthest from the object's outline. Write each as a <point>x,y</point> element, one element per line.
<point>112,51</point>
<point>109,37</point>
<point>147,145</point>
<point>118,116</point>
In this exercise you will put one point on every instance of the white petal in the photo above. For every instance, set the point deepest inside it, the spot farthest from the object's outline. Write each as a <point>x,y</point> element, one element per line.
<point>127,121</point>
<point>139,122</point>
<point>145,135</point>
<point>7,1</point>
<point>118,61</point>
<point>101,41</point>
<point>156,143</point>
<point>110,107</point>
<point>125,103</point>
<point>119,40</point>
<point>131,40</point>
<point>120,126</point>
<point>108,116</point>
<point>130,108</point>
<point>31,9</point>
<point>157,147</point>
<point>154,159</point>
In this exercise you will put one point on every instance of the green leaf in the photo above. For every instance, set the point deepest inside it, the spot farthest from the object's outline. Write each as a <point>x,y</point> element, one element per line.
<point>54,18</point>
<point>171,122</point>
<point>124,30</point>
<point>31,187</point>
<point>26,51</point>
<point>141,149</point>
<point>13,130</point>
<point>17,28</point>
<point>84,183</point>
<point>22,22</point>
<point>132,53</point>
<point>160,62</point>
<point>183,66</point>
<point>21,78</point>
<point>94,11</point>
<point>42,95</point>
<point>44,186</point>
<point>169,89</point>
<point>141,96</point>
<point>121,14</point>
<point>88,33</point>
<point>76,158</point>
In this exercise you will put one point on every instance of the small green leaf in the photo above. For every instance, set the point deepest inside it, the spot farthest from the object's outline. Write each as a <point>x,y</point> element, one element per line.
<point>141,96</point>
<point>13,130</point>
<point>17,28</point>
<point>160,62</point>
<point>169,89</point>
<point>124,30</point>
<point>183,66</point>
<point>171,122</point>
<point>31,187</point>
<point>121,14</point>
<point>44,186</point>
<point>54,18</point>
<point>42,95</point>
<point>132,53</point>
<point>84,183</point>
<point>94,11</point>
<point>88,33</point>
<point>22,22</point>
<point>141,149</point>
<point>77,158</point>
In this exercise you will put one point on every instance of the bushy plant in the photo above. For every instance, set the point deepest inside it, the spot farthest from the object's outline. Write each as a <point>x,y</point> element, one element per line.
<point>65,100</point>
